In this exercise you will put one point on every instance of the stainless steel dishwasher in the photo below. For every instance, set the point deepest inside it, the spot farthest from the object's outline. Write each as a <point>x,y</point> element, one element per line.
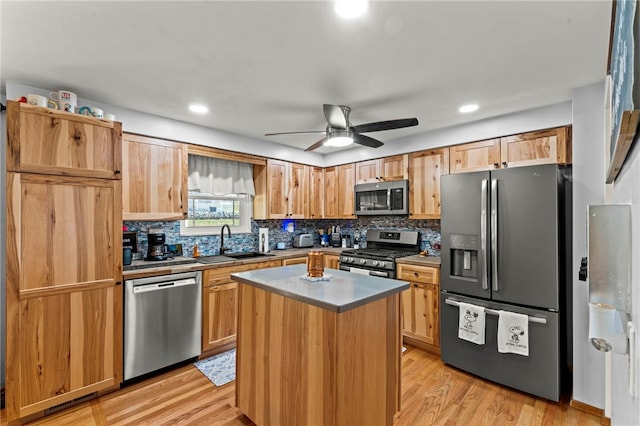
<point>162,321</point>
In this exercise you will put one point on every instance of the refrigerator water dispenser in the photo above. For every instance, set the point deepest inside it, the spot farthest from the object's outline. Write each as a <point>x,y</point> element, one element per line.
<point>464,255</point>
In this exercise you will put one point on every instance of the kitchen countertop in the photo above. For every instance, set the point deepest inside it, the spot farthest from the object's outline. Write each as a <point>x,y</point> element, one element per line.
<point>344,291</point>
<point>433,261</point>
<point>148,268</point>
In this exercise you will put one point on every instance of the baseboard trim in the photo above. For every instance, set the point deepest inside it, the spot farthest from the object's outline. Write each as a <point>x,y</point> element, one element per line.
<point>422,345</point>
<point>591,410</point>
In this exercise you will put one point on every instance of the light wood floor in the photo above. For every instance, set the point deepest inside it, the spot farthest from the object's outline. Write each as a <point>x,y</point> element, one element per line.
<point>432,394</point>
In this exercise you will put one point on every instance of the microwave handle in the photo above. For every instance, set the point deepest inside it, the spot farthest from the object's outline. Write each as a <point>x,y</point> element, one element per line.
<point>389,199</point>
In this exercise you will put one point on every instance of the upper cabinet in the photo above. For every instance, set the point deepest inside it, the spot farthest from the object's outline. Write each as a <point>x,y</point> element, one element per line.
<point>282,190</point>
<point>47,141</point>
<point>154,181</point>
<point>316,193</point>
<point>540,147</point>
<point>425,169</point>
<point>339,182</point>
<point>475,156</point>
<point>526,149</point>
<point>381,169</point>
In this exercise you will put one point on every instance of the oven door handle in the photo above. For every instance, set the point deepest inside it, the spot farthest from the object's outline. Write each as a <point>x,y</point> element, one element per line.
<point>368,272</point>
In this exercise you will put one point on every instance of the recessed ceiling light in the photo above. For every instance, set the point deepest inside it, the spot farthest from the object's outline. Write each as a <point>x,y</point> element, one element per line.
<point>350,9</point>
<point>468,108</point>
<point>198,108</point>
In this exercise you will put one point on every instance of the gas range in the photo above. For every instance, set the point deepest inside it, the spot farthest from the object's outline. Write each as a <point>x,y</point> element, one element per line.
<point>383,247</point>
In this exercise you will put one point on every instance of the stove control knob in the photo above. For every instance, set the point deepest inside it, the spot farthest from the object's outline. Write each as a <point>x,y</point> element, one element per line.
<point>375,263</point>
<point>363,261</point>
<point>382,264</point>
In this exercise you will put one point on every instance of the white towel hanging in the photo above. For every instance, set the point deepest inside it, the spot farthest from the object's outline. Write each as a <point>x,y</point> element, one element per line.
<point>471,323</point>
<point>513,333</point>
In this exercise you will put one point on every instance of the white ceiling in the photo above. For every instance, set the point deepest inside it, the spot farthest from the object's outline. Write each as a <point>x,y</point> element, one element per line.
<point>266,66</point>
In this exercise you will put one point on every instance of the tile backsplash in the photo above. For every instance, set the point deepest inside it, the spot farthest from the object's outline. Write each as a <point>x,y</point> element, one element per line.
<point>279,231</point>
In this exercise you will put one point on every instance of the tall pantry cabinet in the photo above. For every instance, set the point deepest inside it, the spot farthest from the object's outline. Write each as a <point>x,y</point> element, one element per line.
<point>64,261</point>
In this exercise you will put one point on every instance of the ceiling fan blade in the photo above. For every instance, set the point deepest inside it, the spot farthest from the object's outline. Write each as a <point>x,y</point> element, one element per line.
<point>317,144</point>
<point>385,125</point>
<point>337,116</point>
<point>295,133</point>
<point>366,141</point>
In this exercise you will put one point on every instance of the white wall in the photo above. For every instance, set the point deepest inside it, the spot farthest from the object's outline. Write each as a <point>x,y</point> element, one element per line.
<point>588,188</point>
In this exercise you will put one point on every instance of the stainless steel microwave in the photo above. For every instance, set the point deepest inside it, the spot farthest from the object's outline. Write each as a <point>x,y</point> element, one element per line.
<point>382,198</point>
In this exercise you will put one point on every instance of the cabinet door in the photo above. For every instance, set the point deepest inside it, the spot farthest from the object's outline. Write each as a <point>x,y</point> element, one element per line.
<point>346,182</point>
<point>220,315</point>
<point>331,192</point>
<point>154,179</point>
<point>540,147</point>
<point>368,171</point>
<point>425,169</point>
<point>316,193</point>
<point>394,167</point>
<point>424,319</point>
<point>331,261</point>
<point>475,156</point>
<point>64,292</point>
<point>298,193</point>
<point>277,187</point>
<point>42,140</point>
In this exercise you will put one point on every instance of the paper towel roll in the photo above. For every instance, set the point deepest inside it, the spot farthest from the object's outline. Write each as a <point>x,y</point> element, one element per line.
<point>605,328</point>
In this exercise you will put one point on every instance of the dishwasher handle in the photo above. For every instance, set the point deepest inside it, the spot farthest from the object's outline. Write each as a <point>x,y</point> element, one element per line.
<point>143,288</point>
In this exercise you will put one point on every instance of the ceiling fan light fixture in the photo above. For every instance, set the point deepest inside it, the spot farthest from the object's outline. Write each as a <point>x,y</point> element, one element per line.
<point>351,9</point>
<point>198,108</point>
<point>339,137</point>
<point>468,108</point>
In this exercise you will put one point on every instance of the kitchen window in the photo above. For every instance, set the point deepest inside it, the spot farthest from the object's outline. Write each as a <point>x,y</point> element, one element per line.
<point>220,192</point>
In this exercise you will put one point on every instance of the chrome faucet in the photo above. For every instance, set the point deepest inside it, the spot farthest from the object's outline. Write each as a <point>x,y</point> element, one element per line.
<point>223,249</point>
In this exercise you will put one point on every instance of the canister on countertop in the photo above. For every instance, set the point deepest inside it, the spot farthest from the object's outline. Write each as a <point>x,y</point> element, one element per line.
<point>315,264</point>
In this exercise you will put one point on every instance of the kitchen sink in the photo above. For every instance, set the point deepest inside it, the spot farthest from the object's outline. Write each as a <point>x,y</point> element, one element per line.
<point>246,255</point>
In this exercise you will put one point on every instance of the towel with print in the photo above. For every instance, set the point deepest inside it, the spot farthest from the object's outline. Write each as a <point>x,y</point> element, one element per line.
<point>513,333</point>
<point>471,323</point>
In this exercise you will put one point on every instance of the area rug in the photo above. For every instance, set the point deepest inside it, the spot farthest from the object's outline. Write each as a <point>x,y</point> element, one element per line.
<point>220,369</point>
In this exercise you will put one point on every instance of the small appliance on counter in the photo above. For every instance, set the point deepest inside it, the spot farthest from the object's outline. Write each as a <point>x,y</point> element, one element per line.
<point>158,250</point>
<point>303,240</point>
<point>336,239</point>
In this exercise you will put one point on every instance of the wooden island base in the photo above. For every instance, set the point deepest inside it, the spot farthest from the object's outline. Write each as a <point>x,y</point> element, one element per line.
<point>299,364</point>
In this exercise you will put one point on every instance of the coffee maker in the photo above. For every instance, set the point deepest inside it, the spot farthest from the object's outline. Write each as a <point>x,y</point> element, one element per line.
<point>157,247</point>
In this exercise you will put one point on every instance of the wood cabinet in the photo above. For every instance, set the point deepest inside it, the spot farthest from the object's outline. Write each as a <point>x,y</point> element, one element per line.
<point>332,261</point>
<point>425,169</point>
<point>420,306</point>
<point>339,200</point>
<point>282,190</point>
<point>294,261</point>
<point>475,156</point>
<point>526,149</point>
<point>382,169</point>
<point>316,193</point>
<point>220,306</point>
<point>154,180</point>
<point>47,141</point>
<point>64,262</point>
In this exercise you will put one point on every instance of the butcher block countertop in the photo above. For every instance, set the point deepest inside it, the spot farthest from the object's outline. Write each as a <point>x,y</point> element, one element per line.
<point>342,292</point>
<point>420,260</point>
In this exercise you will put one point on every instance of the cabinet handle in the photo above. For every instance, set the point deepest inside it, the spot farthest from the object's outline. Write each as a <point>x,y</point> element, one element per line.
<point>504,164</point>
<point>496,165</point>
<point>118,282</point>
<point>116,172</point>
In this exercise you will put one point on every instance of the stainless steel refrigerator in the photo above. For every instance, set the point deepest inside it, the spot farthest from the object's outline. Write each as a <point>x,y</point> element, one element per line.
<point>506,245</point>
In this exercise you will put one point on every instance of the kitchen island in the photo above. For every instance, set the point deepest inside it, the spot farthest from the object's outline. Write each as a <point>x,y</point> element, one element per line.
<point>318,353</point>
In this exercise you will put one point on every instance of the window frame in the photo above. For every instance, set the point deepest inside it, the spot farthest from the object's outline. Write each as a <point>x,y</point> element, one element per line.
<point>246,213</point>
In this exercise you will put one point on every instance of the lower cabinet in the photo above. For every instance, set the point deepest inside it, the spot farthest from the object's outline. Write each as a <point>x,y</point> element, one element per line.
<point>420,306</point>
<point>332,261</point>
<point>220,306</point>
<point>294,261</point>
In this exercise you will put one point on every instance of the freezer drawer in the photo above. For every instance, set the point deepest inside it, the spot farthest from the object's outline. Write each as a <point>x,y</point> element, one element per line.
<point>538,374</point>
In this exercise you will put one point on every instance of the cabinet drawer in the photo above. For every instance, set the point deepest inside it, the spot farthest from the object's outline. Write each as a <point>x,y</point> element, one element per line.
<point>222,275</point>
<point>424,274</point>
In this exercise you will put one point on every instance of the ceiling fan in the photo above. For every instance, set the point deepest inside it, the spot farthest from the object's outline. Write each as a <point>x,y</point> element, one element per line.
<point>340,132</point>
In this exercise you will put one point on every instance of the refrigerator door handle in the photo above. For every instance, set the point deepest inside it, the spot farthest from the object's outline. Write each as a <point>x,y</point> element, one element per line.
<point>494,234</point>
<point>537,320</point>
<point>483,235</point>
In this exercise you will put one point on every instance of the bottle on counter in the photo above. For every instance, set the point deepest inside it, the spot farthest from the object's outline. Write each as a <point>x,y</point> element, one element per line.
<point>196,253</point>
